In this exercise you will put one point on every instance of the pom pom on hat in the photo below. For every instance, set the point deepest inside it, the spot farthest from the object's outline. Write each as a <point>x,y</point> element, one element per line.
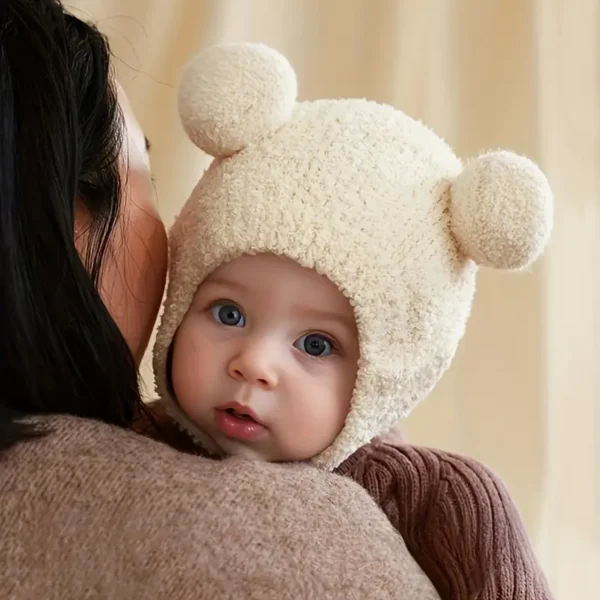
<point>234,94</point>
<point>502,211</point>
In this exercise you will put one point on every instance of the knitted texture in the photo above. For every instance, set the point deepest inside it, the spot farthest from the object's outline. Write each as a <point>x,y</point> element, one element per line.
<point>363,194</point>
<point>456,518</point>
<point>92,511</point>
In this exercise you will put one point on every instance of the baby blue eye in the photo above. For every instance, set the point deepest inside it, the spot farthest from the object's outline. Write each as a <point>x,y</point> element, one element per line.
<point>228,314</point>
<point>314,344</point>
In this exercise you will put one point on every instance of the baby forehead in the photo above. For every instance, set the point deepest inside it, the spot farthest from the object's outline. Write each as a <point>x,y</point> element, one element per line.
<point>278,278</point>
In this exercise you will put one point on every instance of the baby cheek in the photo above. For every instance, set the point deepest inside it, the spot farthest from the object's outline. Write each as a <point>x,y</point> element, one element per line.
<point>187,364</point>
<point>180,371</point>
<point>318,418</point>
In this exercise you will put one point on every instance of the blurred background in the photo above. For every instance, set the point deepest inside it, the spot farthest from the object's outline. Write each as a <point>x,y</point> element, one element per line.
<point>523,394</point>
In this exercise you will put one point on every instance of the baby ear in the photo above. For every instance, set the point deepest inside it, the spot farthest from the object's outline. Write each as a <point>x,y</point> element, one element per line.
<point>502,211</point>
<point>233,94</point>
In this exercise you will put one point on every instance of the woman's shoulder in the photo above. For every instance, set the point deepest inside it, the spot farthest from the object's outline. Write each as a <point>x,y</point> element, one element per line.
<point>166,524</point>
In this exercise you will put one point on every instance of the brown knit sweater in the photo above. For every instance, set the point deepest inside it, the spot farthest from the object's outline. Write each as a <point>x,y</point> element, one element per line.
<point>457,520</point>
<point>91,511</point>
<point>455,515</point>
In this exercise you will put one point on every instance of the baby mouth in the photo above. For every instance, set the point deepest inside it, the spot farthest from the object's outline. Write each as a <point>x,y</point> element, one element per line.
<point>238,415</point>
<point>239,422</point>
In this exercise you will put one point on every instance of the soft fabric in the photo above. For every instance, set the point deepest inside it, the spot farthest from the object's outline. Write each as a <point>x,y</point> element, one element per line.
<point>365,195</point>
<point>92,511</point>
<point>455,515</point>
<point>456,518</point>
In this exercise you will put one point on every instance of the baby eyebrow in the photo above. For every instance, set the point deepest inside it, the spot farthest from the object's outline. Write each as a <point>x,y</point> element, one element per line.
<point>327,315</point>
<point>226,283</point>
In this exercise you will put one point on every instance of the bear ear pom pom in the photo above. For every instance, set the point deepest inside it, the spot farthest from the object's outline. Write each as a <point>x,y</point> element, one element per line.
<point>234,94</point>
<point>502,211</point>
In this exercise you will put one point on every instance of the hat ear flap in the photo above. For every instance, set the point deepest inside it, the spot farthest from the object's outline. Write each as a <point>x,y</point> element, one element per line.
<point>233,94</point>
<point>502,211</point>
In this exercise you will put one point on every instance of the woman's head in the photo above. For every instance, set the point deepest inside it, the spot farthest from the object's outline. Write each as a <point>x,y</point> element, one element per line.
<point>77,225</point>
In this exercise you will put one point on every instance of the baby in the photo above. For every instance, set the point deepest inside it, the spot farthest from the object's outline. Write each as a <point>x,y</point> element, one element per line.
<point>321,278</point>
<point>323,269</point>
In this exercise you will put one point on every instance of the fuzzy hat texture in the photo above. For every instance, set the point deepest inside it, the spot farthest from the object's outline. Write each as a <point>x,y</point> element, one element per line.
<point>365,195</point>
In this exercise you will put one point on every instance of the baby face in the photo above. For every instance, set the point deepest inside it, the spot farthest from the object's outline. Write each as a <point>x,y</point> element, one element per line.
<point>265,361</point>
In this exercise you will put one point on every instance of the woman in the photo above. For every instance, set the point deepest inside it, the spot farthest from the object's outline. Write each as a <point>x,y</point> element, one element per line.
<point>61,136</point>
<point>89,508</point>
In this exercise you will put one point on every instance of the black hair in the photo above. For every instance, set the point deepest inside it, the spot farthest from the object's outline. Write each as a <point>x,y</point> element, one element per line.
<point>60,139</point>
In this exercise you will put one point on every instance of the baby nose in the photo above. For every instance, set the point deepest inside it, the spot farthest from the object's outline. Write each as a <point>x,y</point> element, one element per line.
<point>254,366</point>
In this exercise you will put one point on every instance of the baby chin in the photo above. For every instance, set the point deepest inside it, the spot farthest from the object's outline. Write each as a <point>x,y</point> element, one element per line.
<point>229,435</point>
<point>245,439</point>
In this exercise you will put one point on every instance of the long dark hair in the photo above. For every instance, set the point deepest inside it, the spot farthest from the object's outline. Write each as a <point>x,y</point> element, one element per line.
<point>60,139</point>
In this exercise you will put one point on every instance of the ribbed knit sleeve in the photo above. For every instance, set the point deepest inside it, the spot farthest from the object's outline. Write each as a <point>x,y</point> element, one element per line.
<point>457,519</point>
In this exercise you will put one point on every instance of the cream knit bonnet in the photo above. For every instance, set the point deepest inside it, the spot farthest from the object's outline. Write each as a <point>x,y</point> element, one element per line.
<point>365,195</point>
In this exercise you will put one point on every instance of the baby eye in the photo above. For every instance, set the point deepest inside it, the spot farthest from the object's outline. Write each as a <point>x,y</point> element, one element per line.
<point>228,314</point>
<point>314,344</point>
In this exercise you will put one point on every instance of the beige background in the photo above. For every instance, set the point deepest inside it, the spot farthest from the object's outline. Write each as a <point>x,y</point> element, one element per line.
<point>523,394</point>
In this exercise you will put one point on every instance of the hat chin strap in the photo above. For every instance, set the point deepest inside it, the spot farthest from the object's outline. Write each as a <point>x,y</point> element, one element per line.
<point>186,425</point>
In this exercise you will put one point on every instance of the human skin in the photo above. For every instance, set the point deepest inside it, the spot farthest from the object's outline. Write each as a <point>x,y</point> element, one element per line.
<point>134,275</point>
